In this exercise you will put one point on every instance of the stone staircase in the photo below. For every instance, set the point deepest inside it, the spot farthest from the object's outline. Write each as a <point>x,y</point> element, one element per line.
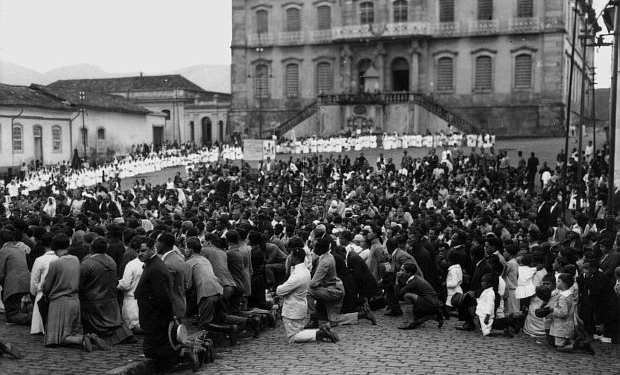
<point>421,100</point>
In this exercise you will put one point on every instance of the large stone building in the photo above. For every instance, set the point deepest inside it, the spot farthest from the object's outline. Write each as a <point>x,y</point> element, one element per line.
<point>192,114</point>
<point>330,66</point>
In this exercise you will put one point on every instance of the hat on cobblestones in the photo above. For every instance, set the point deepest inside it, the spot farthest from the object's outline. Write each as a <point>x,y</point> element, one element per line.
<point>177,334</point>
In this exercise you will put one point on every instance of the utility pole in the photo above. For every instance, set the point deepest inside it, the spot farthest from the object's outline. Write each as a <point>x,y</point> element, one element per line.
<point>611,217</point>
<point>84,133</point>
<point>566,196</point>
<point>261,92</point>
<point>582,109</point>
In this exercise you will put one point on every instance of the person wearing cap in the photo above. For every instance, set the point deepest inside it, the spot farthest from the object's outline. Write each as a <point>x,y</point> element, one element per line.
<point>294,309</point>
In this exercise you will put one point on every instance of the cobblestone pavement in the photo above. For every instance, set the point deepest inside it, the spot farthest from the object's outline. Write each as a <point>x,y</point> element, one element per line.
<point>363,349</point>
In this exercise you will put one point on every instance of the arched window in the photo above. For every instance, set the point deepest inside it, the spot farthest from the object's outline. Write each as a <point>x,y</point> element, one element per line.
<point>56,138</point>
<point>484,73</point>
<point>324,15</point>
<point>192,132</point>
<point>446,10</point>
<point>367,13</point>
<point>324,78</point>
<point>261,81</point>
<point>18,138</point>
<point>525,8</point>
<point>400,11</point>
<point>445,74</point>
<point>293,22</point>
<point>523,71</point>
<point>262,21</point>
<point>485,10</point>
<point>291,81</point>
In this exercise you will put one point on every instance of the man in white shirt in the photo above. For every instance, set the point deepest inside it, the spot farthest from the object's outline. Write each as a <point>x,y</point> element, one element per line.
<point>295,306</point>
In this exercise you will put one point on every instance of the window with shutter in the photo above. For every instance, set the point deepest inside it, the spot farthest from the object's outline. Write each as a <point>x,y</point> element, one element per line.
<point>367,13</point>
<point>400,11</point>
<point>446,10</point>
<point>525,8</point>
<point>485,10</point>
<point>445,68</point>
<point>291,81</point>
<point>523,71</point>
<point>484,73</point>
<point>324,79</point>
<point>292,20</point>
<point>261,81</point>
<point>262,21</point>
<point>325,17</point>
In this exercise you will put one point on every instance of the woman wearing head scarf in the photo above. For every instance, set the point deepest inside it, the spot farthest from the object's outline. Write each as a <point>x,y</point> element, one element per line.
<point>50,207</point>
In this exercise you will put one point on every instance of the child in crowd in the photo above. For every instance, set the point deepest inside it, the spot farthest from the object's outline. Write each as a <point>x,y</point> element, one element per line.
<point>485,309</point>
<point>562,314</point>
<point>525,285</point>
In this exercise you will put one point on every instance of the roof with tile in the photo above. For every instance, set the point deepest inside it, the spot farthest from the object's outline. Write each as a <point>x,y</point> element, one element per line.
<point>25,96</point>
<point>94,100</point>
<point>124,84</point>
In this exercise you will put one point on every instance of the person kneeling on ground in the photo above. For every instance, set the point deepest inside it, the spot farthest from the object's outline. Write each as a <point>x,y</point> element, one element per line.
<point>420,297</point>
<point>294,292</point>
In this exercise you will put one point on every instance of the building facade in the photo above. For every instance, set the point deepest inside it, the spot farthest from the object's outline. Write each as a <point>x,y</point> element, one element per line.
<point>191,113</point>
<point>499,65</point>
<point>40,125</point>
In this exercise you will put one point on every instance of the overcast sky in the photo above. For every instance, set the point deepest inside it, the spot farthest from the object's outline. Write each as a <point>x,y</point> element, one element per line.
<point>134,35</point>
<point>117,35</point>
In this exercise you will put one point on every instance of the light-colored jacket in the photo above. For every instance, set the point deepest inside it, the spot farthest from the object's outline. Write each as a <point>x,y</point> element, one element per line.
<point>294,291</point>
<point>563,323</point>
<point>453,282</point>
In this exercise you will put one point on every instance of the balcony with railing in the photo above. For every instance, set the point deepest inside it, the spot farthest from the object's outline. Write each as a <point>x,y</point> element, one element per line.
<point>291,37</point>
<point>447,29</point>
<point>321,36</point>
<point>262,39</point>
<point>402,29</point>
<point>525,25</point>
<point>484,27</point>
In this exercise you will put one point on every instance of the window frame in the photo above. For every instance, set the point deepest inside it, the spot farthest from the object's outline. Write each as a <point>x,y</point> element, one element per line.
<point>400,8</point>
<point>476,56</point>
<point>367,13</point>
<point>56,142</point>
<point>443,89</point>
<point>291,27</point>
<point>262,28</point>
<point>317,86</point>
<point>260,79</point>
<point>486,10</point>
<point>20,127</point>
<point>291,86</point>
<point>319,18</point>
<point>523,6</point>
<point>443,17</point>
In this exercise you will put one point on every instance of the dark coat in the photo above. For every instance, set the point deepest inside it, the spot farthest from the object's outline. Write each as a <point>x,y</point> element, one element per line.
<point>153,296</point>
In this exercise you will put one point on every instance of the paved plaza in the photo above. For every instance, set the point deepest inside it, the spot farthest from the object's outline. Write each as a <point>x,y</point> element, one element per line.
<point>363,349</point>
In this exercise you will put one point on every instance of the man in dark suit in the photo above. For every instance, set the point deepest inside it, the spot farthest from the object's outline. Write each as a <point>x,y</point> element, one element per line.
<point>610,257</point>
<point>600,291</point>
<point>398,257</point>
<point>420,296</point>
<point>532,168</point>
<point>175,262</point>
<point>155,306</point>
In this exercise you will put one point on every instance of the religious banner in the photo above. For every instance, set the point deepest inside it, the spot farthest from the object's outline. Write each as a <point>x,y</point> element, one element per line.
<point>269,149</point>
<point>253,149</point>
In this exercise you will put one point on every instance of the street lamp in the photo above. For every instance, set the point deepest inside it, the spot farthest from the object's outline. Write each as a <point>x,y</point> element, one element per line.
<point>84,134</point>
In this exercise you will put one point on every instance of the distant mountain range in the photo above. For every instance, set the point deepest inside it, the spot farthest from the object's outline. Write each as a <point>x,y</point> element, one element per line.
<point>209,77</point>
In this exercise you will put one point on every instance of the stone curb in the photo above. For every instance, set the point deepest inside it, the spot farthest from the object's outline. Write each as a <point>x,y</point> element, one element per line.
<point>135,367</point>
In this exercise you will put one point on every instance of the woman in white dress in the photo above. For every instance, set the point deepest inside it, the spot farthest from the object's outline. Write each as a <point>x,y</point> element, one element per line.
<point>37,276</point>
